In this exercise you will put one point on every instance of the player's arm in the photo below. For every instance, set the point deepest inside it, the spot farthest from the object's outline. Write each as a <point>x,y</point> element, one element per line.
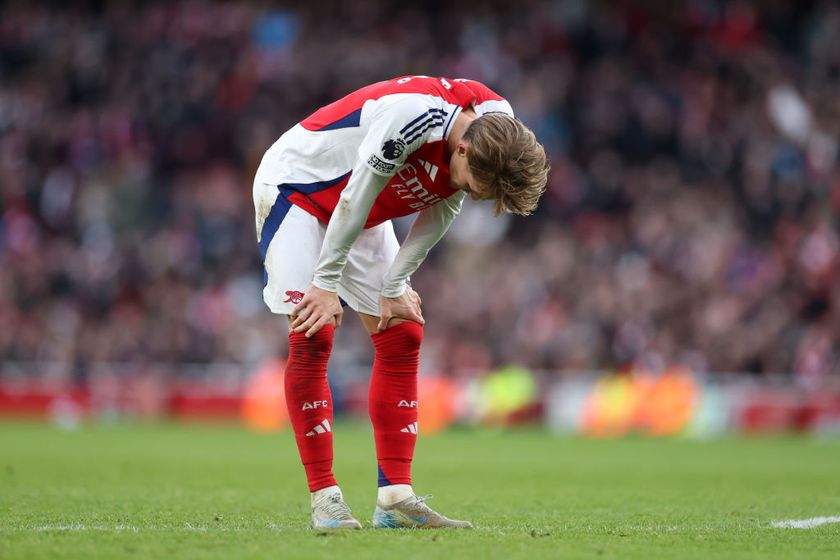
<point>320,303</point>
<point>346,223</point>
<point>377,162</point>
<point>425,232</point>
<point>397,299</point>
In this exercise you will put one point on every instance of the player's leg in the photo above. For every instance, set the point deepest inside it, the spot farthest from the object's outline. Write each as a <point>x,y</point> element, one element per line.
<point>311,412</point>
<point>290,241</point>
<point>392,400</point>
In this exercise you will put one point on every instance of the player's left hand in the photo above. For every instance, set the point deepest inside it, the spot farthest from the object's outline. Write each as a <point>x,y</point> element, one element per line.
<point>407,307</point>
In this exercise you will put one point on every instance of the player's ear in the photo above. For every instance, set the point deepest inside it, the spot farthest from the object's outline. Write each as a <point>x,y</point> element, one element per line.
<point>461,148</point>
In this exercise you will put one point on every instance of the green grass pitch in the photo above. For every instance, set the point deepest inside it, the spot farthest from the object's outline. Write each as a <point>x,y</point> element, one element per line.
<point>221,492</point>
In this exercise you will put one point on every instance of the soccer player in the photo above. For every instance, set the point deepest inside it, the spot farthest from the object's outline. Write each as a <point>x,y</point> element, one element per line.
<point>324,196</point>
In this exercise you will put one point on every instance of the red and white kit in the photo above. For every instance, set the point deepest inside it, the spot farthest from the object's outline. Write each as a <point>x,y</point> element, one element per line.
<point>324,195</point>
<point>376,154</point>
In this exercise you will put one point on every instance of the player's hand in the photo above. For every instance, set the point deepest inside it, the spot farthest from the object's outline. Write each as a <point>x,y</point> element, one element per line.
<point>407,306</point>
<point>317,308</point>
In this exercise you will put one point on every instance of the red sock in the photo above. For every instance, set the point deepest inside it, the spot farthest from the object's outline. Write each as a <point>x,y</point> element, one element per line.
<point>392,402</point>
<point>310,404</point>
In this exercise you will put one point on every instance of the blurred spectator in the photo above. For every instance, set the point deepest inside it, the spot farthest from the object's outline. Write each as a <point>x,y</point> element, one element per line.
<point>691,215</point>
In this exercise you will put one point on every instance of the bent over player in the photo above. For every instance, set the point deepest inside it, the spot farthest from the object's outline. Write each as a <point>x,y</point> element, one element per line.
<point>324,195</point>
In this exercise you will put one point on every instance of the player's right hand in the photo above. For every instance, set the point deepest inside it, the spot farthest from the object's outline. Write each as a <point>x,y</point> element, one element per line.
<point>317,308</point>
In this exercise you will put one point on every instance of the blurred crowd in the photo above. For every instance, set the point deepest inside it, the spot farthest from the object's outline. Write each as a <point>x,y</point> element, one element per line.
<point>691,215</point>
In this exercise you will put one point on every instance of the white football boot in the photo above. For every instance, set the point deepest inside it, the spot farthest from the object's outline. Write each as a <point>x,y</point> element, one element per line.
<point>330,512</point>
<point>414,513</point>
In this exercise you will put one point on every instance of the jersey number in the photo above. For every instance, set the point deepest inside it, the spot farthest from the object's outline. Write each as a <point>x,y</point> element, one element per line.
<point>407,79</point>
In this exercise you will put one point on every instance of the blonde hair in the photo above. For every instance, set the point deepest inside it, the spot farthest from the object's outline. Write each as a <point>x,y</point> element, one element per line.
<point>505,155</point>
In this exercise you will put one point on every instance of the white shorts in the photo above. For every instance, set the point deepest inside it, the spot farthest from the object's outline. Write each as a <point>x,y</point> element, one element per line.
<point>290,240</point>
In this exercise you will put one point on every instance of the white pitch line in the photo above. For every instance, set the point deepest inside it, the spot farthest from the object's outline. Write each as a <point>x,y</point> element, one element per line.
<point>80,527</point>
<point>806,523</point>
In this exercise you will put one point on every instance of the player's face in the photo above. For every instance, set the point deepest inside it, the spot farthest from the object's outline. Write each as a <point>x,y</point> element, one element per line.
<point>462,178</point>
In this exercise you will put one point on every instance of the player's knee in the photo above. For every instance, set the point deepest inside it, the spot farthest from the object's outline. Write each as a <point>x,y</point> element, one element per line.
<point>403,337</point>
<point>410,333</point>
<point>319,345</point>
<point>292,318</point>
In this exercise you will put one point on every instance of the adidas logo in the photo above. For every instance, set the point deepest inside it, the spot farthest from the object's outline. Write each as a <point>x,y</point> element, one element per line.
<point>321,428</point>
<point>411,428</point>
<point>430,168</point>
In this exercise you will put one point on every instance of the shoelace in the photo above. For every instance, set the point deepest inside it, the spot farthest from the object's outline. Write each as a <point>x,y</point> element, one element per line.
<point>421,502</point>
<point>336,508</point>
